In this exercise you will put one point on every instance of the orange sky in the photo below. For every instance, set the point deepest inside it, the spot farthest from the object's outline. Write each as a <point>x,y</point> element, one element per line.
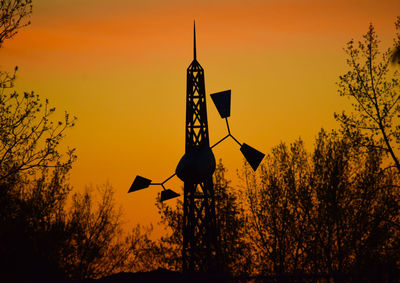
<point>120,67</point>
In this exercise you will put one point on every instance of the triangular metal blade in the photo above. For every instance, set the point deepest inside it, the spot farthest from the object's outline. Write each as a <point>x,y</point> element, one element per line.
<point>252,155</point>
<point>139,183</point>
<point>168,194</point>
<point>222,101</point>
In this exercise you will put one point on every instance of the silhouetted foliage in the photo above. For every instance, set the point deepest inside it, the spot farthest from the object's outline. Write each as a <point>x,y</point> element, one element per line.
<point>38,230</point>
<point>145,254</point>
<point>235,252</point>
<point>374,91</point>
<point>42,237</point>
<point>335,211</point>
<point>13,14</point>
<point>275,225</point>
<point>33,187</point>
<point>29,139</point>
<point>171,244</point>
<point>95,245</point>
<point>396,51</point>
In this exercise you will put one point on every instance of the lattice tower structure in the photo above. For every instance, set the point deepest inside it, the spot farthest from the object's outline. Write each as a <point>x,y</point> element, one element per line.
<point>200,238</point>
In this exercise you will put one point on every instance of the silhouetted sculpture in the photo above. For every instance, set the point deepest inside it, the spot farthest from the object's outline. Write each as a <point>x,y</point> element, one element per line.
<point>200,245</point>
<point>200,251</point>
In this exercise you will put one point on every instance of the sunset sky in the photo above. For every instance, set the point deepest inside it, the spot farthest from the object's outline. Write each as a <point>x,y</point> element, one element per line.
<point>120,68</point>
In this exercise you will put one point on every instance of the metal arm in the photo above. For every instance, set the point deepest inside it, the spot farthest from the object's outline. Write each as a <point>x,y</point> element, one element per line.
<point>221,140</point>
<point>228,135</point>
<point>162,183</point>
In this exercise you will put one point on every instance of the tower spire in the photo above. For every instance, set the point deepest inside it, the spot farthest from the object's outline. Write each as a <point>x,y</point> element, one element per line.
<point>194,40</point>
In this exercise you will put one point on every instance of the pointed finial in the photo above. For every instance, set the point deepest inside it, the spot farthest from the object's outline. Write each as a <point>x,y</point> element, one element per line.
<point>194,40</point>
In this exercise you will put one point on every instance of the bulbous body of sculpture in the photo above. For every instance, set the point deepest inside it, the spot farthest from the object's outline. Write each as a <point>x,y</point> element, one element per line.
<point>196,166</point>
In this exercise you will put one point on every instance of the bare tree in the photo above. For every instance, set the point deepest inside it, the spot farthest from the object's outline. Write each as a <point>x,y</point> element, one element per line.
<point>279,202</point>
<point>39,232</point>
<point>374,90</point>
<point>396,55</point>
<point>28,138</point>
<point>33,182</point>
<point>96,245</point>
<point>396,51</point>
<point>334,211</point>
<point>13,16</point>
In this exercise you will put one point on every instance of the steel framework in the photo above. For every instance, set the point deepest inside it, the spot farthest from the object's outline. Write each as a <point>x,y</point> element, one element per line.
<point>200,251</point>
<point>200,244</point>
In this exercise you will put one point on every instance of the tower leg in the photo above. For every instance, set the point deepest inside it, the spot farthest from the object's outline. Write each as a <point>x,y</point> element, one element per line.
<point>200,238</point>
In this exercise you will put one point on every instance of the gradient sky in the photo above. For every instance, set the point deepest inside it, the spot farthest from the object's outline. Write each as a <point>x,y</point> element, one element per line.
<point>120,67</point>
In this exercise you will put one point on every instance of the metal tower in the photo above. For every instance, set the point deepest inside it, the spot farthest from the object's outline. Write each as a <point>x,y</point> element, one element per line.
<point>200,245</point>
<point>200,250</point>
